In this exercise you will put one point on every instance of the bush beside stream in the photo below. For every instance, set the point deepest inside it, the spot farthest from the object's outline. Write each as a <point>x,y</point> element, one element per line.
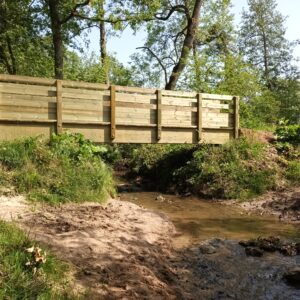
<point>240,169</point>
<point>68,168</point>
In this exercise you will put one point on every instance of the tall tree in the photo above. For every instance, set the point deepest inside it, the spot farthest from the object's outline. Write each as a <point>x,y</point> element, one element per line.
<point>64,25</point>
<point>190,33</point>
<point>103,41</point>
<point>263,42</point>
<point>171,35</point>
<point>214,47</point>
<point>23,50</point>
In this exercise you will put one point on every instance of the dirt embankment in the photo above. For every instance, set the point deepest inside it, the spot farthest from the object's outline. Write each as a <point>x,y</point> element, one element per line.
<point>285,205</point>
<point>120,250</point>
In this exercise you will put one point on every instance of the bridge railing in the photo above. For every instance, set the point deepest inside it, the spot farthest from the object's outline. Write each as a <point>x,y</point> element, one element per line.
<point>106,113</point>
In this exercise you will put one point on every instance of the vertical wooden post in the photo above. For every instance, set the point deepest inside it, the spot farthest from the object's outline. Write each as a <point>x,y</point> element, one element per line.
<point>199,117</point>
<point>112,112</point>
<point>159,117</point>
<point>59,106</point>
<point>236,108</point>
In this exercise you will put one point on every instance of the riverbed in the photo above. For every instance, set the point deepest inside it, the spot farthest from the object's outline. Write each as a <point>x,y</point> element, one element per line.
<point>197,219</point>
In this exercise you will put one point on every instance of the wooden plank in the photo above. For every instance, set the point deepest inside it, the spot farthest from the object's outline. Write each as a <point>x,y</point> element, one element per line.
<point>21,89</point>
<point>132,116</point>
<point>20,115</point>
<point>86,94</point>
<point>59,106</point>
<point>31,109</point>
<point>126,124</point>
<point>137,90</point>
<point>27,80</point>
<point>85,85</point>
<point>159,116</point>
<point>179,94</point>
<point>135,105</point>
<point>26,100</point>
<point>236,101</point>
<point>170,136</point>
<point>113,112</point>
<point>184,102</point>
<point>52,82</point>
<point>68,122</point>
<point>15,131</point>
<point>199,118</point>
<point>217,97</point>
<point>136,98</point>
<point>17,121</point>
<point>94,132</point>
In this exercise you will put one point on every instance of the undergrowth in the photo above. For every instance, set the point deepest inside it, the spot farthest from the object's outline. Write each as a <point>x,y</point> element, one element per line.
<point>68,168</point>
<point>24,276</point>
<point>240,169</point>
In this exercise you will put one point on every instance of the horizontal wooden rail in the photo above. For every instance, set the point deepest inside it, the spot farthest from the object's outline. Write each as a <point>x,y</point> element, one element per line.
<point>33,106</point>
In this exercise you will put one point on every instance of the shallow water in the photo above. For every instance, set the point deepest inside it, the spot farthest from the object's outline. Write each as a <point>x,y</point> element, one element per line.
<point>197,220</point>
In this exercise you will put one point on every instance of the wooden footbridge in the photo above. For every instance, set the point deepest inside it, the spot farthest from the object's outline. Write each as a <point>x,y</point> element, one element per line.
<point>114,114</point>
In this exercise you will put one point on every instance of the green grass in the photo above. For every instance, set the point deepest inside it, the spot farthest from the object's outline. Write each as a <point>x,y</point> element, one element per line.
<point>68,168</point>
<point>18,280</point>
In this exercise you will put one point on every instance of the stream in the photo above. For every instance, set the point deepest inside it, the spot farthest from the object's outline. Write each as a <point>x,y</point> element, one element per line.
<point>197,220</point>
<point>216,266</point>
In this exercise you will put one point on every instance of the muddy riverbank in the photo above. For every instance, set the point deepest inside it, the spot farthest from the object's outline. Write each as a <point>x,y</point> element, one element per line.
<point>285,205</point>
<point>124,251</point>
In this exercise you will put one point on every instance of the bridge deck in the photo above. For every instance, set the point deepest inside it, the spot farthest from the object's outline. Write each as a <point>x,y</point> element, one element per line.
<point>32,106</point>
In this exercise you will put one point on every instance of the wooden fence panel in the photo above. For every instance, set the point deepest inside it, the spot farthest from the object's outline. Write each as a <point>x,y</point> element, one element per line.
<point>32,106</point>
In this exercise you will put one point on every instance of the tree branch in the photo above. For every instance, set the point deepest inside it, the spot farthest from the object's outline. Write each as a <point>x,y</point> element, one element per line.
<point>159,61</point>
<point>74,11</point>
<point>178,8</point>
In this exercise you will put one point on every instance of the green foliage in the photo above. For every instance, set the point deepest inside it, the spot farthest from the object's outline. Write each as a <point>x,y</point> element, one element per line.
<point>261,111</point>
<point>263,42</point>
<point>240,169</point>
<point>287,133</point>
<point>235,170</point>
<point>14,154</point>
<point>68,168</point>
<point>18,280</point>
<point>23,49</point>
<point>287,93</point>
<point>84,68</point>
<point>288,140</point>
<point>293,171</point>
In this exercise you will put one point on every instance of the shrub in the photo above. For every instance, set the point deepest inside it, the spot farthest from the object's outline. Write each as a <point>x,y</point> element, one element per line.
<point>236,170</point>
<point>288,139</point>
<point>240,169</point>
<point>288,133</point>
<point>293,171</point>
<point>67,168</point>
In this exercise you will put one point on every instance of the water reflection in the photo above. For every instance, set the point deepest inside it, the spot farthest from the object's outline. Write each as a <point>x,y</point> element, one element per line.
<point>198,220</point>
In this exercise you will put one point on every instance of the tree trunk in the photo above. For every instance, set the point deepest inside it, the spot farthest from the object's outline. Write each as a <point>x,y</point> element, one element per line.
<point>57,37</point>
<point>193,23</point>
<point>12,56</point>
<point>266,61</point>
<point>103,41</point>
